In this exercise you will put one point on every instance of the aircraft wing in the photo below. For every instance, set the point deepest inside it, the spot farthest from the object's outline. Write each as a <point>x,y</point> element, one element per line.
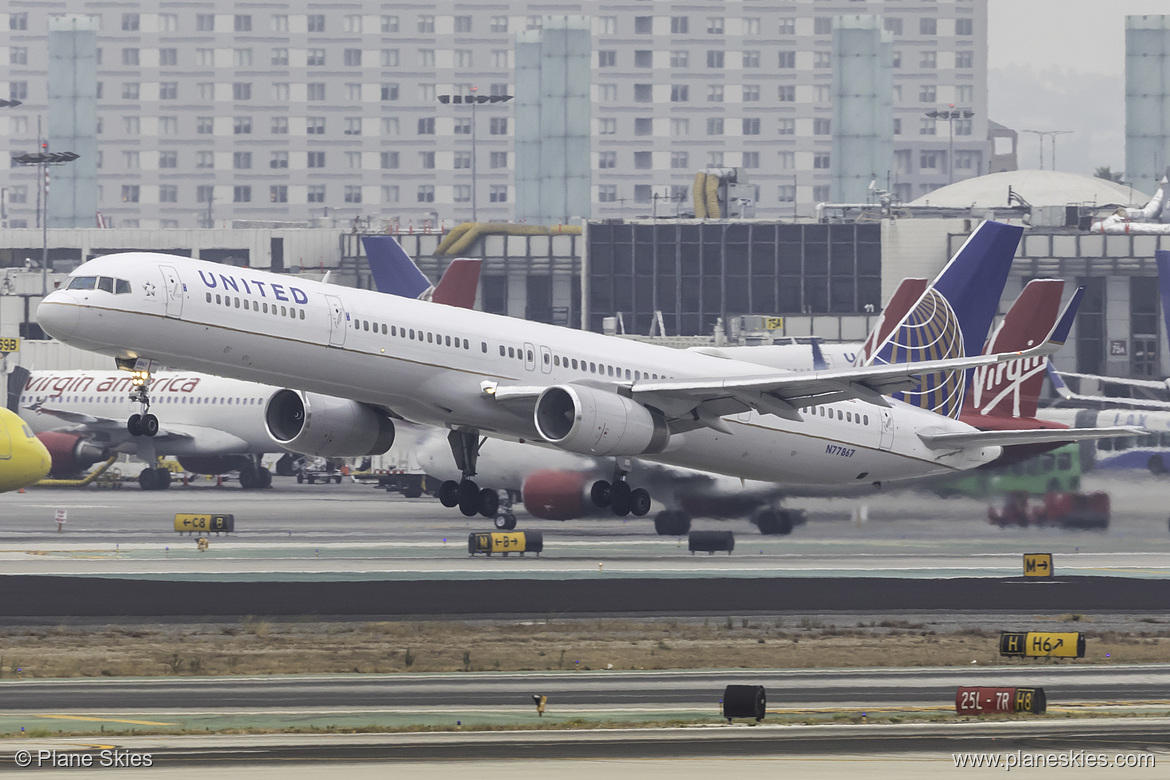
<point>1139,403</point>
<point>108,428</point>
<point>944,440</point>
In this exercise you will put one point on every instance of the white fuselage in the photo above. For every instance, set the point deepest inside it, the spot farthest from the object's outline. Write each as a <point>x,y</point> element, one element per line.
<point>430,363</point>
<point>204,414</point>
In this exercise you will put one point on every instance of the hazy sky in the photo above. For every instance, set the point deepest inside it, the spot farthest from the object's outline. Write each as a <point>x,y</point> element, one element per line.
<point>1060,65</point>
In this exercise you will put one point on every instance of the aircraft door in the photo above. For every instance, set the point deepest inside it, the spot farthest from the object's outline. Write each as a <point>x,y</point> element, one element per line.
<point>545,360</point>
<point>337,321</point>
<point>173,294</point>
<point>887,434</point>
<point>529,357</point>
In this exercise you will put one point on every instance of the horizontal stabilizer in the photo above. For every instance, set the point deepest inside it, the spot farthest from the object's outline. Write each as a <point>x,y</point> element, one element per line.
<point>1068,395</point>
<point>949,439</point>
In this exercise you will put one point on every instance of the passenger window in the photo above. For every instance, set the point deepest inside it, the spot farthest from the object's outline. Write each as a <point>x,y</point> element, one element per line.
<point>302,314</point>
<point>282,311</point>
<point>610,369</point>
<point>840,416</point>
<point>264,308</point>
<point>383,324</point>
<point>501,350</point>
<point>637,375</point>
<point>592,368</point>
<point>237,303</point>
<point>574,363</point>
<point>448,339</point>
<point>393,330</point>
<point>217,298</point>
<point>546,358</point>
<point>483,346</point>
<point>511,352</point>
<point>466,344</point>
<point>430,337</point>
<point>557,360</point>
<point>848,416</point>
<point>365,324</point>
<point>209,297</point>
<point>82,283</point>
<point>530,355</point>
<point>866,419</point>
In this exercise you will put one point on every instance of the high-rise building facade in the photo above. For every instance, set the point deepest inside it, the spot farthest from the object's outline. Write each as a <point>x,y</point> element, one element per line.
<point>217,110</point>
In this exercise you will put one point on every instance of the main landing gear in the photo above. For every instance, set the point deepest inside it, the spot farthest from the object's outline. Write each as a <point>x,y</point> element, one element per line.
<point>466,494</point>
<point>144,424</point>
<point>619,496</point>
<point>154,479</point>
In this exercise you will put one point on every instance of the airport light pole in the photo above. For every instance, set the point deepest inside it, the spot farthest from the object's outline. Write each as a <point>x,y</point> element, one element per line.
<point>43,160</point>
<point>951,114</point>
<point>1053,134</point>
<point>473,100</point>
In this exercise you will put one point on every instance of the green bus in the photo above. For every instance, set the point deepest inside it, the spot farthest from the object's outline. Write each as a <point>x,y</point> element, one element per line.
<point>1057,471</point>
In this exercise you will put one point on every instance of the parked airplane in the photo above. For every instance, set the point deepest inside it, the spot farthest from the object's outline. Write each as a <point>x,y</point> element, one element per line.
<point>23,458</point>
<point>479,373</point>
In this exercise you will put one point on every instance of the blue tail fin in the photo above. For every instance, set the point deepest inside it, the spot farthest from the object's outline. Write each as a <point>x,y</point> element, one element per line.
<point>1162,257</point>
<point>819,362</point>
<point>394,272</point>
<point>953,316</point>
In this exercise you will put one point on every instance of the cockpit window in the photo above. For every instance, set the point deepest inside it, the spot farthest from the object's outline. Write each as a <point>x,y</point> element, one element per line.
<point>82,283</point>
<point>121,286</point>
<point>105,283</point>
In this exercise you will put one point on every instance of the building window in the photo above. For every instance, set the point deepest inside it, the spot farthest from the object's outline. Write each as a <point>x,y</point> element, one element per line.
<point>129,193</point>
<point>353,125</point>
<point>714,58</point>
<point>426,193</point>
<point>130,160</point>
<point>18,194</point>
<point>280,125</point>
<point>204,159</point>
<point>965,27</point>
<point>242,125</point>
<point>316,193</point>
<point>242,194</point>
<point>786,160</point>
<point>316,159</point>
<point>607,159</point>
<point>389,160</point>
<point>679,93</point>
<point>316,22</point>
<point>315,91</point>
<point>499,58</point>
<point>963,126</point>
<point>643,126</point>
<point>242,58</point>
<point>822,126</point>
<point>18,21</point>
<point>353,193</point>
<point>498,24</point>
<point>18,55</point>
<point>751,59</point>
<point>715,25</point>
<point>896,60</point>
<point>926,126</point>
<point>132,125</point>
<point>714,93</point>
<point>928,60</point>
<point>643,193</point>
<point>498,125</point>
<point>643,25</point>
<point>680,25</point>
<point>643,59</point>
<point>643,93</point>
<point>463,160</point>
<point>204,193</point>
<point>680,160</point>
<point>243,23</point>
<point>426,24</point>
<point>607,25</point>
<point>389,24</point>
<point>241,160</point>
<point>643,161</point>
<point>893,24</point>
<point>715,159</point>
<point>129,90</point>
<point>715,126</point>
<point>928,160</point>
<point>786,193</point>
<point>389,193</point>
<point>787,59</point>
<point>352,23</point>
<point>129,56</point>
<point>315,57</point>
<point>168,159</point>
<point>607,193</point>
<point>680,126</point>
<point>786,127</point>
<point>426,160</point>
<point>241,91</point>
<point>823,25</point>
<point>606,126</point>
<point>966,160</point>
<point>822,59</point>
<point>498,193</point>
<point>751,126</point>
<point>130,22</point>
<point>168,193</point>
<point>352,58</point>
<point>897,126</point>
<point>205,22</point>
<point>279,23</point>
<point>965,60</point>
<point>389,125</point>
<point>928,25</point>
<point>751,159</point>
<point>498,160</point>
<point>607,58</point>
<point>462,193</point>
<point>751,93</point>
<point>389,58</point>
<point>680,59</point>
<point>278,193</point>
<point>821,161</point>
<point>927,93</point>
<point>278,160</point>
<point>426,125</point>
<point>168,90</point>
<point>389,92</point>
<point>168,57</point>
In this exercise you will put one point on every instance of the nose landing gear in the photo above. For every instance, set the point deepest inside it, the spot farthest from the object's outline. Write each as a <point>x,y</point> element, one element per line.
<point>144,424</point>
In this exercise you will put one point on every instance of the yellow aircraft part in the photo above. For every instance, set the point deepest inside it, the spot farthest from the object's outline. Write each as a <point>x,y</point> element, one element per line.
<point>464,235</point>
<point>713,197</point>
<point>23,458</point>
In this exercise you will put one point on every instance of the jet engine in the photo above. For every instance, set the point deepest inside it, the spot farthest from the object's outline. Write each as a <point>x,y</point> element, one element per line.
<point>314,424</point>
<point>71,454</point>
<point>558,495</point>
<point>592,421</point>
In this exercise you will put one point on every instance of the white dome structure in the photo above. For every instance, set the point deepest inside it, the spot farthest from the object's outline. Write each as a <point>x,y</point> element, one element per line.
<point>1038,188</point>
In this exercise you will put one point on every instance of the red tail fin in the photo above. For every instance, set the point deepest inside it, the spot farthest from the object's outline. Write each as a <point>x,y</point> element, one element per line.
<point>907,294</point>
<point>459,283</point>
<point>1012,389</point>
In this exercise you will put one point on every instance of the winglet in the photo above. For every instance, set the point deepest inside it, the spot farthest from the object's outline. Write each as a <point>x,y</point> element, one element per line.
<point>819,362</point>
<point>1057,383</point>
<point>394,272</point>
<point>1061,330</point>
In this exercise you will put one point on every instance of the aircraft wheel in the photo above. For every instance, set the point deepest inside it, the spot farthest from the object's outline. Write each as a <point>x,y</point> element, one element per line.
<point>619,498</point>
<point>449,494</point>
<point>639,502</point>
<point>601,493</point>
<point>146,479</point>
<point>469,498</point>
<point>149,425</point>
<point>249,479</point>
<point>134,425</point>
<point>662,522</point>
<point>300,478</point>
<point>511,522</point>
<point>265,477</point>
<point>162,478</point>
<point>489,502</point>
<point>505,522</point>
<point>682,523</point>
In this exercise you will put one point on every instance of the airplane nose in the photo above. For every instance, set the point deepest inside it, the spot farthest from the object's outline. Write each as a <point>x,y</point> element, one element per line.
<point>58,315</point>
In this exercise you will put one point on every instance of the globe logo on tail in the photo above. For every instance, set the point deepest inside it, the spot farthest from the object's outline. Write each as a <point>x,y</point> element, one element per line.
<point>929,332</point>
